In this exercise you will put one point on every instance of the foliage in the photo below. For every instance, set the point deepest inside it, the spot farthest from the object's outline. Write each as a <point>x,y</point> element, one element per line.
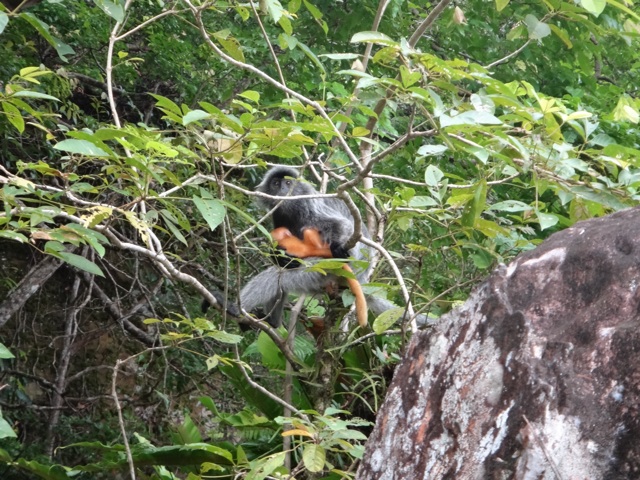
<point>132,135</point>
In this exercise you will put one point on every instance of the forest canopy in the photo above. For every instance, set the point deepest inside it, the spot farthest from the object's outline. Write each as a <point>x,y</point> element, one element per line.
<point>132,137</point>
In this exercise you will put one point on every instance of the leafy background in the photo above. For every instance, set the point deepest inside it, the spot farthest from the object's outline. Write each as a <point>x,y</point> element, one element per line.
<point>132,134</point>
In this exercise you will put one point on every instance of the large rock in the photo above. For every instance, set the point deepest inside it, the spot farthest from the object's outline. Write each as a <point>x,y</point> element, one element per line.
<point>537,376</point>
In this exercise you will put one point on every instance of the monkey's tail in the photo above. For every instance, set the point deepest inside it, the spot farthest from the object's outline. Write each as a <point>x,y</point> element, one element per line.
<point>362,311</point>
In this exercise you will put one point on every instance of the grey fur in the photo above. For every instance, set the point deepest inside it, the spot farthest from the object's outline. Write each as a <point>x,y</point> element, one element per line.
<point>269,289</point>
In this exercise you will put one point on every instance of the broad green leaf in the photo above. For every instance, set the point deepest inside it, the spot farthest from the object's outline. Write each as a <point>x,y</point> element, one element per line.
<point>433,175</point>
<point>4,20</point>
<point>18,237</point>
<point>5,353</point>
<point>285,24</point>
<point>624,8</point>
<point>594,7</point>
<point>360,132</point>
<point>420,201</point>
<point>312,56</point>
<point>5,429</point>
<point>79,262</point>
<point>173,228</point>
<point>386,319</point>
<point>536,28</point>
<point>211,209</point>
<point>408,77</point>
<point>13,115</point>
<point>546,220</point>
<point>471,117</point>
<point>5,457</point>
<point>194,116</point>
<point>427,150</point>
<point>232,46</point>
<point>475,207</point>
<point>294,5</point>
<point>166,104</point>
<point>251,95</point>
<point>81,147</point>
<point>43,29</point>
<point>32,94</point>
<point>313,10</point>
<point>224,337</point>
<point>46,471</point>
<point>114,9</point>
<point>274,8</point>
<point>501,4</point>
<point>373,37</point>
<point>340,56</point>
<point>561,34</point>
<point>510,206</point>
<point>314,457</point>
<point>490,228</point>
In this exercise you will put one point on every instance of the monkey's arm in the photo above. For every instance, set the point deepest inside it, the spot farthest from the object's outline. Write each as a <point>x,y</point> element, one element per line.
<point>313,246</point>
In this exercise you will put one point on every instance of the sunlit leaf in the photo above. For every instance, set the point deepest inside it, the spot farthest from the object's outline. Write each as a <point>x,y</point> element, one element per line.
<point>81,147</point>
<point>373,37</point>
<point>211,209</point>
<point>595,7</point>
<point>5,353</point>
<point>536,28</point>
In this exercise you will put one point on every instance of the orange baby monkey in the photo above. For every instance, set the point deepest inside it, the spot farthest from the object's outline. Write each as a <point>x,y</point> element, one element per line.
<point>312,245</point>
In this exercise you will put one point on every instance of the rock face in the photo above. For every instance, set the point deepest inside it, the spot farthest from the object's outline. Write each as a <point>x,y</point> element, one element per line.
<point>537,376</point>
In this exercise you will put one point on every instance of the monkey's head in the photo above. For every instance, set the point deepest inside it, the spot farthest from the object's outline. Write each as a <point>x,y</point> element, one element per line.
<point>280,182</point>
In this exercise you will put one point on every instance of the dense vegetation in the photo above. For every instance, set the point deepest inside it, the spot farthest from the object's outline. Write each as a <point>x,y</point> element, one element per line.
<point>132,134</point>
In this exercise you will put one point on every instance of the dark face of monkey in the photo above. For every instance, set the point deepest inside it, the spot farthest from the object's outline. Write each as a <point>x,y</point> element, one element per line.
<point>292,214</point>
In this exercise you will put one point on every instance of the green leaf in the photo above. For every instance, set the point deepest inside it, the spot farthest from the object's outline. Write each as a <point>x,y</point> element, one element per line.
<point>232,46</point>
<point>594,7</point>
<point>340,56</point>
<point>274,8</point>
<point>373,37</point>
<point>561,34</point>
<point>43,29</point>
<point>81,147</point>
<point>4,20</point>
<point>5,353</point>
<point>13,115</point>
<point>314,457</point>
<point>313,10</point>
<point>359,132</point>
<point>13,236</point>
<point>32,94</point>
<point>114,9</point>
<point>224,337</point>
<point>251,95</point>
<point>426,150</point>
<point>510,206</point>
<point>474,208</point>
<point>433,175</point>
<point>422,201</point>
<point>194,116</point>
<point>211,209</point>
<point>536,28</point>
<point>5,429</point>
<point>546,220</point>
<point>78,261</point>
<point>471,117</point>
<point>501,4</point>
<point>386,319</point>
